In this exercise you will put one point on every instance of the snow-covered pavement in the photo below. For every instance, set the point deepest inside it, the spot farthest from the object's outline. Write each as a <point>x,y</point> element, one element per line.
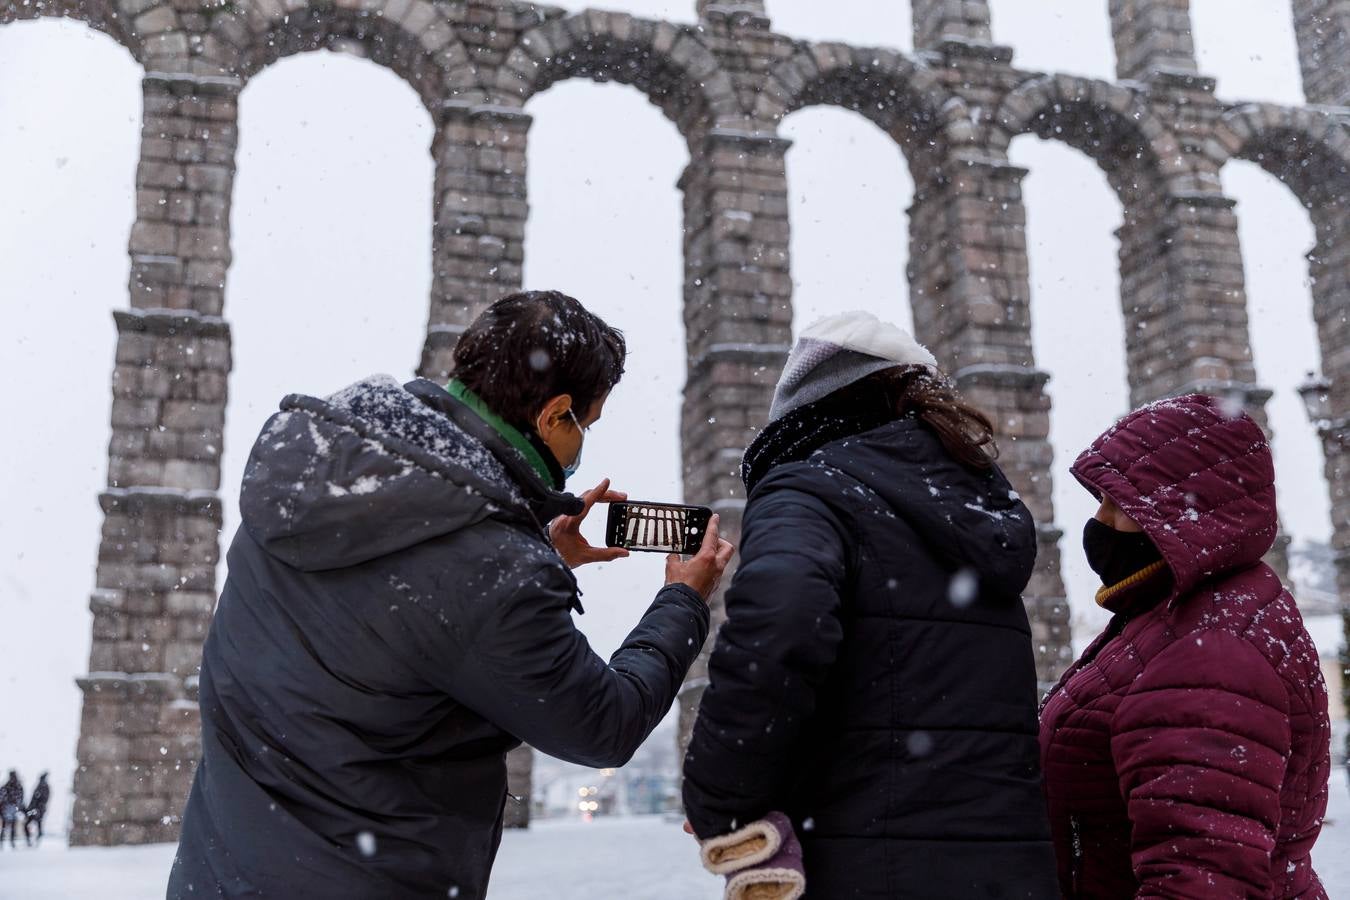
<point>637,858</point>
<point>643,858</point>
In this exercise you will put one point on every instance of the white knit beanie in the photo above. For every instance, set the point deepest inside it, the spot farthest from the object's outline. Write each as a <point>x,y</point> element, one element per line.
<point>839,350</point>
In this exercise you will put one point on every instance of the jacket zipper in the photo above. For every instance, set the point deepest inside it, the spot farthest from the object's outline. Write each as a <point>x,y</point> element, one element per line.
<point>1076,845</point>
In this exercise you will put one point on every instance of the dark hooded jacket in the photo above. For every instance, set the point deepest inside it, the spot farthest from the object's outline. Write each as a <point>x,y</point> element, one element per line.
<point>875,679</point>
<point>11,797</point>
<point>37,804</point>
<point>1187,752</point>
<point>394,621</point>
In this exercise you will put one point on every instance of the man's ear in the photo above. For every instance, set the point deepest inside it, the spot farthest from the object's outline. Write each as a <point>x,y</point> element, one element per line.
<point>553,415</point>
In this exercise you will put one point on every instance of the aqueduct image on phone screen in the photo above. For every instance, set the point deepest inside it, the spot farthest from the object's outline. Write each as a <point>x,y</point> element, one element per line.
<point>655,528</point>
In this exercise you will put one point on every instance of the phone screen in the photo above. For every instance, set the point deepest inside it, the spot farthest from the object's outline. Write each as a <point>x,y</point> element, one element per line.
<point>657,527</point>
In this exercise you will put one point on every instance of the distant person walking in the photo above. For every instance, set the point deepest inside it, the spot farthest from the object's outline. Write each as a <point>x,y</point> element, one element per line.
<point>36,810</point>
<point>11,801</point>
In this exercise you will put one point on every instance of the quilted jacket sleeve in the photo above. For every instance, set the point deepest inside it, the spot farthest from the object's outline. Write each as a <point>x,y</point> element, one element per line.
<point>1200,743</point>
<point>781,637</point>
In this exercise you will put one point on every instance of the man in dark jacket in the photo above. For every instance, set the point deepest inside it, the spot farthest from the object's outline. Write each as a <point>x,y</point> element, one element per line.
<point>1187,752</point>
<point>875,679</point>
<point>36,810</point>
<point>11,803</point>
<point>396,619</point>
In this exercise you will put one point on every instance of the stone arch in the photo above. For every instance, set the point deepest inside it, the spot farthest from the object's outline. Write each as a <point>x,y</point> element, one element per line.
<point>901,95</point>
<point>666,62</point>
<point>905,99</point>
<point>1111,124</point>
<point>1173,216</point>
<point>128,23</point>
<point>414,39</point>
<point>1307,150</point>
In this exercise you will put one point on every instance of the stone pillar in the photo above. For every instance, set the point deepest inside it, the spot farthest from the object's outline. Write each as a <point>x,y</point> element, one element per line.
<point>478,234</point>
<point>940,22</point>
<point>139,742</point>
<point>738,326</point>
<point>156,579</point>
<point>1183,291</point>
<point>180,242</point>
<point>520,786</point>
<point>971,297</point>
<point>1327,266</point>
<point>156,568</point>
<point>1335,434</point>
<point>1152,36</point>
<point>1181,283</point>
<point>1322,29</point>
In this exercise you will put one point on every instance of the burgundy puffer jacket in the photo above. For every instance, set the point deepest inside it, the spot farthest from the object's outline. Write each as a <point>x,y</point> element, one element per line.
<point>1186,754</point>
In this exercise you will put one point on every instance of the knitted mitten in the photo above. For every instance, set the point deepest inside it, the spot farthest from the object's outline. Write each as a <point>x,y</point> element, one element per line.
<point>762,861</point>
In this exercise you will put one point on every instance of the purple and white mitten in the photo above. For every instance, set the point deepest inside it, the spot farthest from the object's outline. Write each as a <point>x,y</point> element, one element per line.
<point>762,861</point>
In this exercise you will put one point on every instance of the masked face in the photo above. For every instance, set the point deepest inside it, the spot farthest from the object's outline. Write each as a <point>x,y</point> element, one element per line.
<point>571,469</point>
<point>1116,555</point>
<point>563,428</point>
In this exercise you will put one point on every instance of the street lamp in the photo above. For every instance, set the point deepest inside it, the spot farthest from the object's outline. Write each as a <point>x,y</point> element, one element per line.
<point>1316,394</point>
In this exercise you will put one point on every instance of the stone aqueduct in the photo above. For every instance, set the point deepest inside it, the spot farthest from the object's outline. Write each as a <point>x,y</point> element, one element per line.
<point>1159,134</point>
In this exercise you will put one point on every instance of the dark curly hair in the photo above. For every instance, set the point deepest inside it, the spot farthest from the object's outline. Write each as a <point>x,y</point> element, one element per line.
<point>532,346</point>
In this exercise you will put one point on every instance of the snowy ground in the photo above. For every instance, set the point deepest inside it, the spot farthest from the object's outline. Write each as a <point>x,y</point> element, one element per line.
<point>644,858</point>
<point>638,858</point>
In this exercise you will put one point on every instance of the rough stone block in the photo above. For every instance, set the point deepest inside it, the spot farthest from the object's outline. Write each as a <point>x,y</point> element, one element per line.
<point>154,238</point>
<point>209,179</point>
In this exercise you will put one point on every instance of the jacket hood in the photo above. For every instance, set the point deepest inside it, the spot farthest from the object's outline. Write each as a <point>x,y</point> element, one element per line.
<point>379,467</point>
<point>973,520</point>
<point>1197,476</point>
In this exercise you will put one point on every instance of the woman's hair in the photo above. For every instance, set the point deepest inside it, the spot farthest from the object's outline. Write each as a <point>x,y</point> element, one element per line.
<point>965,432</point>
<point>532,346</point>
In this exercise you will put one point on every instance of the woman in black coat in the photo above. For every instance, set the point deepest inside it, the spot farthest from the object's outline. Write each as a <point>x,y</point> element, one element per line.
<point>874,679</point>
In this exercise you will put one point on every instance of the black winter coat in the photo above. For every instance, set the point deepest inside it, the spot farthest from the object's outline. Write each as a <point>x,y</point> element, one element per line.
<point>11,794</point>
<point>875,679</point>
<point>38,802</point>
<point>395,620</point>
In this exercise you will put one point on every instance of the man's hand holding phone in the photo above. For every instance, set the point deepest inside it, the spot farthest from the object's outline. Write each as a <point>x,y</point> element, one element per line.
<point>565,531</point>
<point>703,571</point>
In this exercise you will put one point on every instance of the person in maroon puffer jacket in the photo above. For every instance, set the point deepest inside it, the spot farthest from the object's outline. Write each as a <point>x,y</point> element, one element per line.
<point>1187,752</point>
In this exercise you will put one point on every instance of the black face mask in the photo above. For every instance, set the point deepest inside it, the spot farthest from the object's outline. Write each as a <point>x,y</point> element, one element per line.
<point>1116,555</point>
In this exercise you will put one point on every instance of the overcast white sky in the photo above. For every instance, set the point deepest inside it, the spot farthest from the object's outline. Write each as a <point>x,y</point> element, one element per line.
<point>332,219</point>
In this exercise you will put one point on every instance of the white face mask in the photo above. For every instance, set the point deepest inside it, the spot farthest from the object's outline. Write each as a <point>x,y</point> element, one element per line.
<point>571,469</point>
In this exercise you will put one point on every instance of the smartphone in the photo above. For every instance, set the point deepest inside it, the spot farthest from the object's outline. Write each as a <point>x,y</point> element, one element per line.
<point>657,527</point>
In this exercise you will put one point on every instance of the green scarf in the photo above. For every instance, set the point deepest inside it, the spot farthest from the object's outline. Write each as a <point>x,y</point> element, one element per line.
<point>510,433</point>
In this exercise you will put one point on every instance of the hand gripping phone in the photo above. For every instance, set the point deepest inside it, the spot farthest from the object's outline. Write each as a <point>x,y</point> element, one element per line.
<point>657,527</point>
